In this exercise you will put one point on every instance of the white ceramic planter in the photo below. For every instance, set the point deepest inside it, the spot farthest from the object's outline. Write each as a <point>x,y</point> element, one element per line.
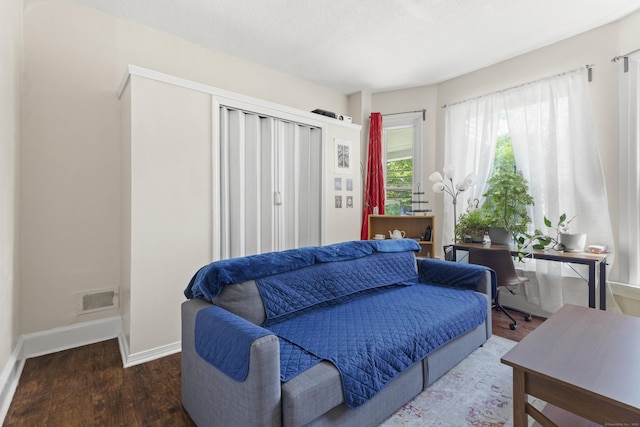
<point>573,242</point>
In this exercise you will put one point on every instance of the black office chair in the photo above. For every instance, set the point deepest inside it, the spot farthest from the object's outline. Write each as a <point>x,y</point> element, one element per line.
<point>500,261</point>
<point>447,250</point>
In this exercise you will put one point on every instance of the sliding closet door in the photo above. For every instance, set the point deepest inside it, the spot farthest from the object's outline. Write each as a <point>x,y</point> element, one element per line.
<point>299,183</point>
<point>269,184</point>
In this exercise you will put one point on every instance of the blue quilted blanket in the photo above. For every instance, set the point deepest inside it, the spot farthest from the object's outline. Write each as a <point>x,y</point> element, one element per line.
<point>330,283</point>
<point>210,279</point>
<point>374,338</point>
<point>451,274</point>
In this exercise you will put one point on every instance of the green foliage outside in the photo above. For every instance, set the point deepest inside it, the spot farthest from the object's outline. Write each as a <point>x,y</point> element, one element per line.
<point>506,198</point>
<point>399,186</point>
<point>504,158</point>
<point>507,195</point>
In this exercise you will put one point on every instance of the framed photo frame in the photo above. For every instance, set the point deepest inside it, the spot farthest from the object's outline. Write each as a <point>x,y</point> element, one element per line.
<point>344,158</point>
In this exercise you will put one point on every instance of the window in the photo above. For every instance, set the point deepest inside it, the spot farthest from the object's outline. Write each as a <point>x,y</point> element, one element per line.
<point>402,136</point>
<point>504,158</point>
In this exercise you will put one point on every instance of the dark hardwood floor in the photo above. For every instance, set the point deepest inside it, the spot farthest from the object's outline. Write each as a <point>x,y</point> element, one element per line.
<point>87,386</point>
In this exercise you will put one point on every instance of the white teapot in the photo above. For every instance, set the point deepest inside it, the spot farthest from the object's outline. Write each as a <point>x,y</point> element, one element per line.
<point>396,234</point>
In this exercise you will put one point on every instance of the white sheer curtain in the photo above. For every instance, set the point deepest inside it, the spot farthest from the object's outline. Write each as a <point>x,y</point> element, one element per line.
<point>553,136</point>
<point>470,142</point>
<point>552,132</point>
<point>628,260</point>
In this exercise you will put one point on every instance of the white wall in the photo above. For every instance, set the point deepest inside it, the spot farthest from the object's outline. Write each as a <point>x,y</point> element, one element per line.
<point>10,114</point>
<point>10,117</point>
<point>170,193</point>
<point>75,58</point>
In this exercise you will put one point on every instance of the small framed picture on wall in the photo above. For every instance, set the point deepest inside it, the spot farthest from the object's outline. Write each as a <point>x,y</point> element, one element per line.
<point>349,202</point>
<point>343,156</point>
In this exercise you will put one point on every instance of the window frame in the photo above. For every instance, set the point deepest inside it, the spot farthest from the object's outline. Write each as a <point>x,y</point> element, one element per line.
<point>400,121</point>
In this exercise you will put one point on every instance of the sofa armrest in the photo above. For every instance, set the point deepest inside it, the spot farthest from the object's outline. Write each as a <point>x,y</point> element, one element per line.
<point>457,275</point>
<point>213,398</point>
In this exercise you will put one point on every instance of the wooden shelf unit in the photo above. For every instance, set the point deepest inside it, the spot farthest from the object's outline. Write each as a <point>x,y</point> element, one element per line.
<point>413,226</point>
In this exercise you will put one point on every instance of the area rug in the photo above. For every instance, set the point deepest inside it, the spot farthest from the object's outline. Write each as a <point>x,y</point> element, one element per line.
<point>476,392</point>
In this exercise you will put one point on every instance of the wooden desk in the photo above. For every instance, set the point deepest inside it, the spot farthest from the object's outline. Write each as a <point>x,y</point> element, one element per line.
<point>580,360</point>
<point>593,261</point>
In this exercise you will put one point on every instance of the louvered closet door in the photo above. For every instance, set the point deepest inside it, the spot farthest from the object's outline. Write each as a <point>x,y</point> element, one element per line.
<point>269,185</point>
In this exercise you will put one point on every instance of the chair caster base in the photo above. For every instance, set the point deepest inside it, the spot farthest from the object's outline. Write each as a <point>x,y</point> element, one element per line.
<point>528,318</point>
<point>512,326</point>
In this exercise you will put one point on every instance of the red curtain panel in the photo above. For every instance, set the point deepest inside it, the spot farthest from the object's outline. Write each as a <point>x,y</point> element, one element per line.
<point>374,187</point>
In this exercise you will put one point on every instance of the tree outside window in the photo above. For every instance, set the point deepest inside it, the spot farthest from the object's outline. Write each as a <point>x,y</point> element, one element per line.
<point>399,169</point>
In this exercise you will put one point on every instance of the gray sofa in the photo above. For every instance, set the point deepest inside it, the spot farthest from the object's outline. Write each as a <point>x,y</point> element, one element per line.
<point>314,396</point>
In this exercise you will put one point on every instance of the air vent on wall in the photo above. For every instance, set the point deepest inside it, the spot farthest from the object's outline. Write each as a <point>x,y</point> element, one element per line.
<point>102,299</point>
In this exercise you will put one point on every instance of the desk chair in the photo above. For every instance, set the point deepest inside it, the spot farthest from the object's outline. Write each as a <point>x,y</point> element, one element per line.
<point>500,261</point>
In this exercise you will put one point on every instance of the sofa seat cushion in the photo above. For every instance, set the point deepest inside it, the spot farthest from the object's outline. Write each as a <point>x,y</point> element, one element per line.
<point>315,398</point>
<point>311,394</point>
<point>375,337</point>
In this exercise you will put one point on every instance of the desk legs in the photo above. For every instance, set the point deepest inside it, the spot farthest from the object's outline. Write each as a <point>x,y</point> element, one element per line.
<point>602,266</point>
<point>603,284</point>
<point>592,285</point>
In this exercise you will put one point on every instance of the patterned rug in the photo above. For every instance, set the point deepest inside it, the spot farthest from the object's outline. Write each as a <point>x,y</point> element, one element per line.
<point>476,392</point>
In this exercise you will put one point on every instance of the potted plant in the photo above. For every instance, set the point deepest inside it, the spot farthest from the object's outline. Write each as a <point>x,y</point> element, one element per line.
<point>564,240</point>
<point>506,202</point>
<point>473,224</point>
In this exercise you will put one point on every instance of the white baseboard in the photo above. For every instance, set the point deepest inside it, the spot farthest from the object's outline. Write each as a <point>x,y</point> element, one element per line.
<point>9,379</point>
<point>79,334</point>
<point>72,336</point>
<point>129,359</point>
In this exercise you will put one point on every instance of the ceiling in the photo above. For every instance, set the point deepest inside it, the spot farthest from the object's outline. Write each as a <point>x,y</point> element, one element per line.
<point>372,45</point>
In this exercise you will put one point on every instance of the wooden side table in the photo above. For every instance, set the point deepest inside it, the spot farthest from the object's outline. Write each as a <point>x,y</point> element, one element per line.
<point>583,361</point>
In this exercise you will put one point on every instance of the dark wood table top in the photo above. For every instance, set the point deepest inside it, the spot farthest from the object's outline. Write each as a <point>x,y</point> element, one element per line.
<point>595,351</point>
<point>578,257</point>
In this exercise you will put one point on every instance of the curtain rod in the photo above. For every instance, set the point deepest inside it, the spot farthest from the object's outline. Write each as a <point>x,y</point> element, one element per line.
<point>589,76</point>
<point>423,111</point>
<point>626,59</point>
<point>618,58</point>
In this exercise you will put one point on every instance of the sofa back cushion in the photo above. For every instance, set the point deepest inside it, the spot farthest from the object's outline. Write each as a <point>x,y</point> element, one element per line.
<point>287,293</point>
<point>244,300</point>
<point>209,281</point>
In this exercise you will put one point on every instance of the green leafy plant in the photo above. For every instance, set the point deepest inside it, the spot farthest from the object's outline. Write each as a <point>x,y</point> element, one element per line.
<point>541,241</point>
<point>471,223</point>
<point>506,201</point>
